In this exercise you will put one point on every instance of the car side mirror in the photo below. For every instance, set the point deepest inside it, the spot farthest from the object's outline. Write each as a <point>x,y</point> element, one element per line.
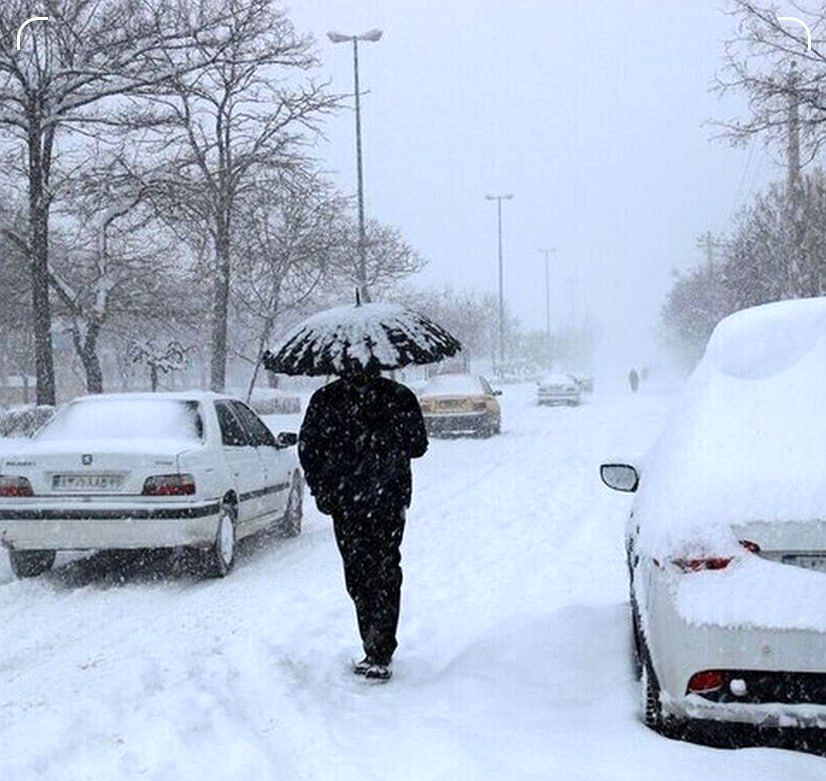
<point>286,439</point>
<point>497,393</point>
<point>620,477</point>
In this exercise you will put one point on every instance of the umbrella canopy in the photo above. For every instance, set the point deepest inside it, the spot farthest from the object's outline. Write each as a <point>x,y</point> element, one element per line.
<point>349,338</point>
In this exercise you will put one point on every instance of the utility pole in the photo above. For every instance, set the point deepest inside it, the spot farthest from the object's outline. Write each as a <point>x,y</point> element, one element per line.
<point>547,253</point>
<point>372,36</point>
<point>793,141</point>
<point>795,283</point>
<point>708,244</point>
<point>499,199</point>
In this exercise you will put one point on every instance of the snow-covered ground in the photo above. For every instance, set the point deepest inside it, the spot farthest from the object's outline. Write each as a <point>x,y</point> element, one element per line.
<point>513,657</point>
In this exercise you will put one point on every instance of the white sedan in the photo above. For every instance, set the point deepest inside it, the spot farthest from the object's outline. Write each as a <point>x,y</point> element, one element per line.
<point>726,541</point>
<point>147,470</point>
<point>559,388</point>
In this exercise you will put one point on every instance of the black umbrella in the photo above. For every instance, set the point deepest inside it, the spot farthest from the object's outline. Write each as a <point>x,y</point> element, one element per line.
<point>347,338</point>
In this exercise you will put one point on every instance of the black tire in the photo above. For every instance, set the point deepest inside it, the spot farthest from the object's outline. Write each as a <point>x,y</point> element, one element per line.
<point>31,563</point>
<point>220,558</point>
<point>291,525</point>
<point>635,640</point>
<point>652,713</point>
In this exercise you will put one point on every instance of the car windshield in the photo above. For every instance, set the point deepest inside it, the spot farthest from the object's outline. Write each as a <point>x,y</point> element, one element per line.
<point>453,385</point>
<point>125,419</point>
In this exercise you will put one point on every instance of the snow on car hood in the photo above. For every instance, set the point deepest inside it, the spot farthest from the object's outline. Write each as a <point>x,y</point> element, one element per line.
<point>748,440</point>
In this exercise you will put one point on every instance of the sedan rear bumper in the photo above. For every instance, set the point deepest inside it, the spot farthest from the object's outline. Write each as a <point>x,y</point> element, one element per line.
<point>558,397</point>
<point>680,648</point>
<point>115,526</point>
<point>458,422</point>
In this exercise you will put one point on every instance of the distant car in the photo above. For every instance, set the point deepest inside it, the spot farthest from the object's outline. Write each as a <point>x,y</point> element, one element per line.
<point>460,404</point>
<point>726,540</point>
<point>147,470</point>
<point>558,388</point>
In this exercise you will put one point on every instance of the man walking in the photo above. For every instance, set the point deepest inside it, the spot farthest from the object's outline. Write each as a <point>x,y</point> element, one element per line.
<point>355,445</point>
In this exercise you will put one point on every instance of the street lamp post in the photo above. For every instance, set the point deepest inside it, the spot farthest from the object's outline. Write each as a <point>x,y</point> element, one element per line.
<point>547,253</point>
<point>499,199</point>
<point>371,36</point>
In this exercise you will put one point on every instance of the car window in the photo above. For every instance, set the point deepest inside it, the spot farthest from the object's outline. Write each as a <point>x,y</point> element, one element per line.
<point>259,433</point>
<point>233,433</point>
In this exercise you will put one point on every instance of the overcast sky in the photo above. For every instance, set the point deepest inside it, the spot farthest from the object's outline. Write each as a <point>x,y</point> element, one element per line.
<point>593,114</point>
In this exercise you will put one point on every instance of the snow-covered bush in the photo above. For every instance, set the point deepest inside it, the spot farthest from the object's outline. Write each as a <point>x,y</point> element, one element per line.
<point>23,421</point>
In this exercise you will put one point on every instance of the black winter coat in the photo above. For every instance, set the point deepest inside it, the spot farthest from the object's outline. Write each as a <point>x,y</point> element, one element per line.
<point>356,443</point>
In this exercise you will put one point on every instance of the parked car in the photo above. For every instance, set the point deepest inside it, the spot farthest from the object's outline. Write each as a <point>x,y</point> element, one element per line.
<point>460,404</point>
<point>726,540</point>
<point>147,470</point>
<point>558,388</point>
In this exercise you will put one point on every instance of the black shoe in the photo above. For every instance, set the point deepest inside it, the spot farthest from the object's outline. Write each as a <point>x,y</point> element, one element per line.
<point>378,672</point>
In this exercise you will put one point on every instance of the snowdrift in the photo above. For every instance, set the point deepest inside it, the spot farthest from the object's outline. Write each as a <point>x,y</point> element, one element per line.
<point>747,441</point>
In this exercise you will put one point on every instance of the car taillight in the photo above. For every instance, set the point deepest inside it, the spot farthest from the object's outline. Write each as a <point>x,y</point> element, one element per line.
<point>169,485</point>
<point>713,562</point>
<point>697,565</point>
<point>13,485</point>
<point>706,681</point>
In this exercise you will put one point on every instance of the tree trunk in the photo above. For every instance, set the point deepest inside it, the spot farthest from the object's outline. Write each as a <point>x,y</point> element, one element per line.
<point>220,306</point>
<point>91,362</point>
<point>153,377</point>
<point>266,332</point>
<point>39,163</point>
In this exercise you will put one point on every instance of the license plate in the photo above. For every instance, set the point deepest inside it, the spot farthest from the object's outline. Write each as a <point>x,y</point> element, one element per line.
<point>813,561</point>
<point>87,482</point>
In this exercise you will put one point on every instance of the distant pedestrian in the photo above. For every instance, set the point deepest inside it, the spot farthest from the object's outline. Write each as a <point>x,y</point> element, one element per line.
<point>633,380</point>
<point>358,436</point>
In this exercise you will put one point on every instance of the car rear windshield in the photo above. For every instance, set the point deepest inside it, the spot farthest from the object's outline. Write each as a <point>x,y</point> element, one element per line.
<point>126,419</point>
<point>453,385</point>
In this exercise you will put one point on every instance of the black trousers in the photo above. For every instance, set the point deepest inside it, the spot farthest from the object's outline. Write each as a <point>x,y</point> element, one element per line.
<point>369,542</point>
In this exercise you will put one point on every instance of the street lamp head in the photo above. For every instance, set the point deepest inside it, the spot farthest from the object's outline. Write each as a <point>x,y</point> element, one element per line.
<point>499,197</point>
<point>371,35</point>
<point>339,38</point>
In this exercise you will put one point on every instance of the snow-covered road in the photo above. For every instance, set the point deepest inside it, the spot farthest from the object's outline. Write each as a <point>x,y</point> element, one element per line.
<point>513,656</point>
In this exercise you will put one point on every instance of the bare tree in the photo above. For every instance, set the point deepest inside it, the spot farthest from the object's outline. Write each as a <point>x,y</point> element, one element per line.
<point>105,261</point>
<point>768,61</point>
<point>71,74</point>
<point>290,234</point>
<point>236,122</point>
<point>390,259</point>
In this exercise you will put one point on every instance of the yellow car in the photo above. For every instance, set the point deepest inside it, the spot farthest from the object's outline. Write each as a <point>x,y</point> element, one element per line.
<point>460,404</point>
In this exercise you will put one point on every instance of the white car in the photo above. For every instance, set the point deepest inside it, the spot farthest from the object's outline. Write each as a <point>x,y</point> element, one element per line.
<point>558,388</point>
<point>147,470</point>
<point>726,541</point>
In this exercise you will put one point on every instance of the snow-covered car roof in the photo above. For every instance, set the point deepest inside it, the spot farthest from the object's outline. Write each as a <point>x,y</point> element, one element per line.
<point>190,395</point>
<point>557,378</point>
<point>138,421</point>
<point>746,441</point>
<point>453,385</point>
